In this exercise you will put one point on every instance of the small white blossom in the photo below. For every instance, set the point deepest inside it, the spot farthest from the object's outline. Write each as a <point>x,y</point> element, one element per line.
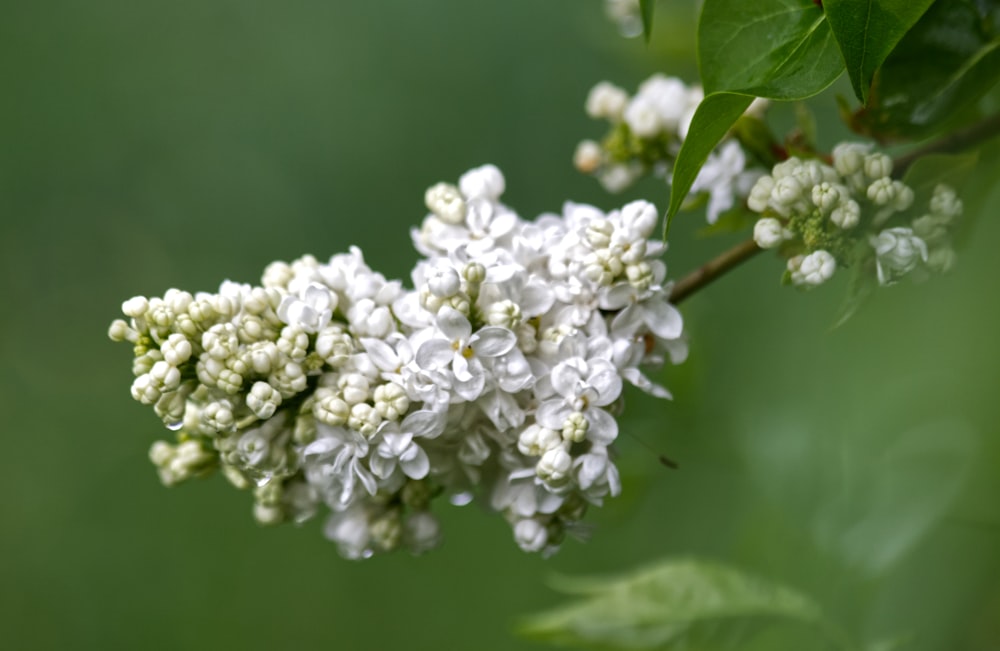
<point>530,535</point>
<point>642,117</point>
<point>877,165</point>
<point>769,233</point>
<point>588,156</point>
<point>847,214</point>
<point>446,202</point>
<point>606,101</point>
<point>814,269</point>
<point>263,400</point>
<point>897,252</point>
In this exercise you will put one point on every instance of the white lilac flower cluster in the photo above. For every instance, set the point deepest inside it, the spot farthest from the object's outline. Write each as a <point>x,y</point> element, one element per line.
<point>497,377</point>
<point>815,213</point>
<point>647,130</point>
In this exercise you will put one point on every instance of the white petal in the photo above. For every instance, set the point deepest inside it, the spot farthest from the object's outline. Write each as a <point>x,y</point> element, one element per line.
<point>603,428</point>
<point>663,319</point>
<point>382,467</point>
<point>381,354</point>
<point>566,379</point>
<point>552,414</point>
<point>492,341</point>
<point>453,324</point>
<point>608,385</point>
<point>435,353</point>
<point>415,463</point>
<point>425,423</point>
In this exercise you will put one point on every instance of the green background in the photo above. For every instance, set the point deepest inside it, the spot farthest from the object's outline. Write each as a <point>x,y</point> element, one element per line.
<point>149,145</point>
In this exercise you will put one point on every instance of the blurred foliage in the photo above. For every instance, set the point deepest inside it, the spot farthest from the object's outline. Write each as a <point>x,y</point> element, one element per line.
<point>867,33</point>
<point>933,78</point>
<point>678,604</point>
<point>151,145</point>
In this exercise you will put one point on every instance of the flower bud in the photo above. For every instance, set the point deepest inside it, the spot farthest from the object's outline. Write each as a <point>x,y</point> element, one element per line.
<point>769,233</point>
<point>897,252</point>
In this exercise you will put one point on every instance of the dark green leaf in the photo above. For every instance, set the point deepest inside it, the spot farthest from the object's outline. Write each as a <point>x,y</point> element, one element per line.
<point>933,78</point>
<point>646,8</point>
<point>781,49</point>
<point>715,115</point>
<point>679,604</point>
<point>867,31</point>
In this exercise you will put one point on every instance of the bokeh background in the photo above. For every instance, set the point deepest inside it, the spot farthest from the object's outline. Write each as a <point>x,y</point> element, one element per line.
<point>149,145</point>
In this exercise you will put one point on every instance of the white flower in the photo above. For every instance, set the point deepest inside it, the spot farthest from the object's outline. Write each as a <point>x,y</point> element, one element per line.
<point>670,98</point>
<point>446,202</point>
<point>583,386</point>
<point>530,535</point>
<point>617,177</point>
<point>723,177</point>
<point>897,252</point>
<point>596,475</point>
<point>946,203</point>
<point>396,445</point>
<point>263,400</point>
<point>333,465</point>
<point>484,182</point>
<point>849,158</point>
<point>847,214</point>
<point>350,530</point>
<point>814,269</point>
<point>642,117</point>
<point>588,156</point>
<point>458,348</point>
<point>606,100</point>
<point>769,233</point>
<point>311,311</point>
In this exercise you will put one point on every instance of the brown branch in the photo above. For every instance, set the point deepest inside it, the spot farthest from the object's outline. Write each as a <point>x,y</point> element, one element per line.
<point>712,269</point>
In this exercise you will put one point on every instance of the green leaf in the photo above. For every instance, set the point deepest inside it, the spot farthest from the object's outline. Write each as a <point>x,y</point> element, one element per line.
<point>867,31</point>
<point>676,604</point>
<point>933,78</point>
<point>646,8</point>
<point>780,49</point>
<point>713,118</point>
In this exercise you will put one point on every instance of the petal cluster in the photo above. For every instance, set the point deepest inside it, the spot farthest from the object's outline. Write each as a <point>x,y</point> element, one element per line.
<point>816,214</point>
<point>497,377</point>
<point>646,133</point>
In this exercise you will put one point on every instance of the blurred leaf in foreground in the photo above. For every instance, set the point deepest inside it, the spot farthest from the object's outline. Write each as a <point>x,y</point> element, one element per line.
<point>677,604</point>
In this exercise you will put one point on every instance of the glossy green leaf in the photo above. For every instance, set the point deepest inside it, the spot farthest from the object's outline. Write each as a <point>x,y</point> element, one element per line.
<point>677,604</point>
<point>933,78</point>
<point>781,49</point>
<point>713,118</point>
<point>646,8</point>
<point>867,31</point>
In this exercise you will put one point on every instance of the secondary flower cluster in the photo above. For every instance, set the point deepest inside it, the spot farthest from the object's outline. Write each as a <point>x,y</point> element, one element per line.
<point>646,134</point>
<point>816,214</point>
<point>496,377</point>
